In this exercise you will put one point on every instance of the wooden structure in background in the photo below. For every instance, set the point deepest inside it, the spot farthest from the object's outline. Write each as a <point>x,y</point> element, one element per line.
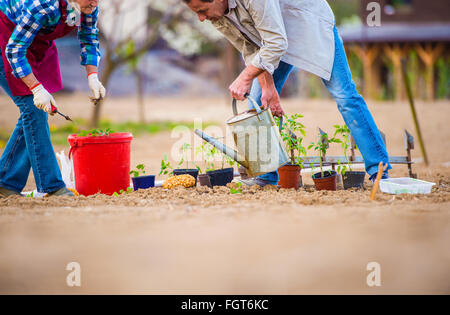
<point>422,26</point>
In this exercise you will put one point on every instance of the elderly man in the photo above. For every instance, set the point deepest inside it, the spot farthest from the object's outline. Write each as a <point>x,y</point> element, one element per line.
<point>274,36</point>
<point>29,73</point>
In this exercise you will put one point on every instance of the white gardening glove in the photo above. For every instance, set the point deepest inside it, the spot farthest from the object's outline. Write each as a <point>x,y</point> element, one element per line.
<point>43,99</point>
<point>97,88</point>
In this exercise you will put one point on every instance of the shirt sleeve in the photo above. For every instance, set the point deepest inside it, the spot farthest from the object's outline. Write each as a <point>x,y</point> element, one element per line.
<point>37,15</point>
<point>89,40</point>
<point>266,15</point>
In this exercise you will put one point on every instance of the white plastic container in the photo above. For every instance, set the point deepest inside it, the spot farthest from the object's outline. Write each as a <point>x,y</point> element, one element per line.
<point>405,185</point>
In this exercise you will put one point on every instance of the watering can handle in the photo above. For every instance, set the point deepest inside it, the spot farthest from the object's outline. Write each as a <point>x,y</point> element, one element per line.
<point>252,103</point>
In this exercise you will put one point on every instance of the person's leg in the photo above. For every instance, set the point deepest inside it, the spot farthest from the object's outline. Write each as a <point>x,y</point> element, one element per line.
<point>280,76</point>
<point>40,150</point>
<point>14,162</point>
<point>29,145</point>
<point>355,112</point>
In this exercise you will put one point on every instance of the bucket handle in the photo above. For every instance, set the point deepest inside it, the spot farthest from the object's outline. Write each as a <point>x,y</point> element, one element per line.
<point>252,103</point>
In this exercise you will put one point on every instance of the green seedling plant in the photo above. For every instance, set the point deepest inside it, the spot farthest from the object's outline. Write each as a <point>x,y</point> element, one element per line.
<point>238,190</point>
<point>291,127</point>
<point>344,132</point>
<point>210,154</point>
<point>184,157</point>
<point>321,146</point>
<point>166,167</point>
<point>139,171</point>
<point>123,192</point>
<point>95,133</point>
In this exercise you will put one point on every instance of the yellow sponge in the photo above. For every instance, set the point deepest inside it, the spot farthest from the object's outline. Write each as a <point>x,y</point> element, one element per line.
<point>186,181</point>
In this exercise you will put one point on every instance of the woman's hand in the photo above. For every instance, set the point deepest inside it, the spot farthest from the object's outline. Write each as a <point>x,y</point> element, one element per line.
<point>97,88</point>
<point>43,99</point>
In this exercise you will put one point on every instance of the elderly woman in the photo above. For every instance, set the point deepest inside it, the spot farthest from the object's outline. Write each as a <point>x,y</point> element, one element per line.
<point>29,73</point>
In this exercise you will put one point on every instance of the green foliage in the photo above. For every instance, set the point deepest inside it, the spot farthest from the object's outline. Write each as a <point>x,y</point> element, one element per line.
<point>237,190</point>
<point>123,192</point>
<point>95,133</point>
<point>321,146</point>
<point>345,142</point>
<point>292,126</point>
<point>185,158</point>
<point>139,171</point>
<point>443,72</point>
<point>166,167</point>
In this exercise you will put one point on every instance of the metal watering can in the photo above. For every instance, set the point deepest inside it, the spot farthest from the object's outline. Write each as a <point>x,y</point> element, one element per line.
<point>257,139</point>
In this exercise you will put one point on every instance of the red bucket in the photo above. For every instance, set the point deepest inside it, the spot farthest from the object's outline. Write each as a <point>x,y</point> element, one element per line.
<point>101,164</point>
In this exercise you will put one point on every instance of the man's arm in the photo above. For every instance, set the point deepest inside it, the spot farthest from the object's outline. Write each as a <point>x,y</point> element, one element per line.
<point>269,22</point>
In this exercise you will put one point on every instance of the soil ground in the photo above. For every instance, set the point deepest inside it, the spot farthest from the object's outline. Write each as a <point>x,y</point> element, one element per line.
<point>263,241</point>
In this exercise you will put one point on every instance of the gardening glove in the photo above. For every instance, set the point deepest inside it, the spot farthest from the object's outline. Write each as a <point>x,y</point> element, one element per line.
<point>43,99</point>
<point>97,88</point>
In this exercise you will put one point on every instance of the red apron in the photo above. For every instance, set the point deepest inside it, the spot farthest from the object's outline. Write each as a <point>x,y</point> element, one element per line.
<point>42,55</point>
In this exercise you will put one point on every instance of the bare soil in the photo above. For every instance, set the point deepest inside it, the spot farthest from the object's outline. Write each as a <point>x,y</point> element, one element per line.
<point>263,241</point>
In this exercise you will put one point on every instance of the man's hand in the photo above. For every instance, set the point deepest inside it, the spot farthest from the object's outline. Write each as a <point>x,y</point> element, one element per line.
<point>97,88</point>
<point>43,99</point>
<point>241,86</point>
<point>271,99</point>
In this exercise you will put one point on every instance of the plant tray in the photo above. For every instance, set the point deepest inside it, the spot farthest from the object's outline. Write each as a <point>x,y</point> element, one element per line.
<point>405,185</point>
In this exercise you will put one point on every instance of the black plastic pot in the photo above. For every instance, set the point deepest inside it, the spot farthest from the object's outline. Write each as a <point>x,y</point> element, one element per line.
<point>221,177</point>
<point>192,172</point>
<point>204,180</point>
<point>143,182</point>
<point>353,179</point>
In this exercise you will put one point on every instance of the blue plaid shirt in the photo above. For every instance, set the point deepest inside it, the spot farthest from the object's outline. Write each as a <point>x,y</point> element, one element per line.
<point>42,16</point>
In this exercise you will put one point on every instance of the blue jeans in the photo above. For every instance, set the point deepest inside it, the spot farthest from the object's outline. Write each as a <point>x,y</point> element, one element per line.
<point>29,147</point>
<point>350,103</point>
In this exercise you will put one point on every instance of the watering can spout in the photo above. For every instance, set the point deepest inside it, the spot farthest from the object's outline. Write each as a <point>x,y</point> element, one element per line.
<point>221,147</point>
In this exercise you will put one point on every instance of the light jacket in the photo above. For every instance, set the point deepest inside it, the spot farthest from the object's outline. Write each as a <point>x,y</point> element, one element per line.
<point>298,32</point>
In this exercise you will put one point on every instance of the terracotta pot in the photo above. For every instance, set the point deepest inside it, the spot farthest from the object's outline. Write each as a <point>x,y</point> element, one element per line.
<point>204,180</point>
<point>328,182</point>
<point>290,176</point>
<point>353,180</point>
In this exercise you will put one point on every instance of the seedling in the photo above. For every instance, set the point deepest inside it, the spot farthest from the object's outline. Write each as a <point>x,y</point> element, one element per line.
<point>293,142</point>
<point>123,192</point>
<point>185,158</point>
<point>140,171</point>
<point>237,190</point>
<point>166,167</point>
<point>95,132</point>
<point>321,146</point>
<point>343,131</point>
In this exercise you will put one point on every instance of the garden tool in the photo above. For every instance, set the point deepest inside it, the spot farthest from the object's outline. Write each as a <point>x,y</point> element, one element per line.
<point>381,168</point>
<point>257,139</point>
<point>56,111</point>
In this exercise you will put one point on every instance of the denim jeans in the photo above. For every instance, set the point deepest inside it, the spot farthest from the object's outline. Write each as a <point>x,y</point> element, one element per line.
<point>351,105</point>
<point>29,147</point>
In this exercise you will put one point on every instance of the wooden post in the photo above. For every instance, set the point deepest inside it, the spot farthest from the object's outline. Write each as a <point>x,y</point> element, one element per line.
<point>429,55</point>
<point>413,111</point>
<point>395,54</point>
<point>368,55</point>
